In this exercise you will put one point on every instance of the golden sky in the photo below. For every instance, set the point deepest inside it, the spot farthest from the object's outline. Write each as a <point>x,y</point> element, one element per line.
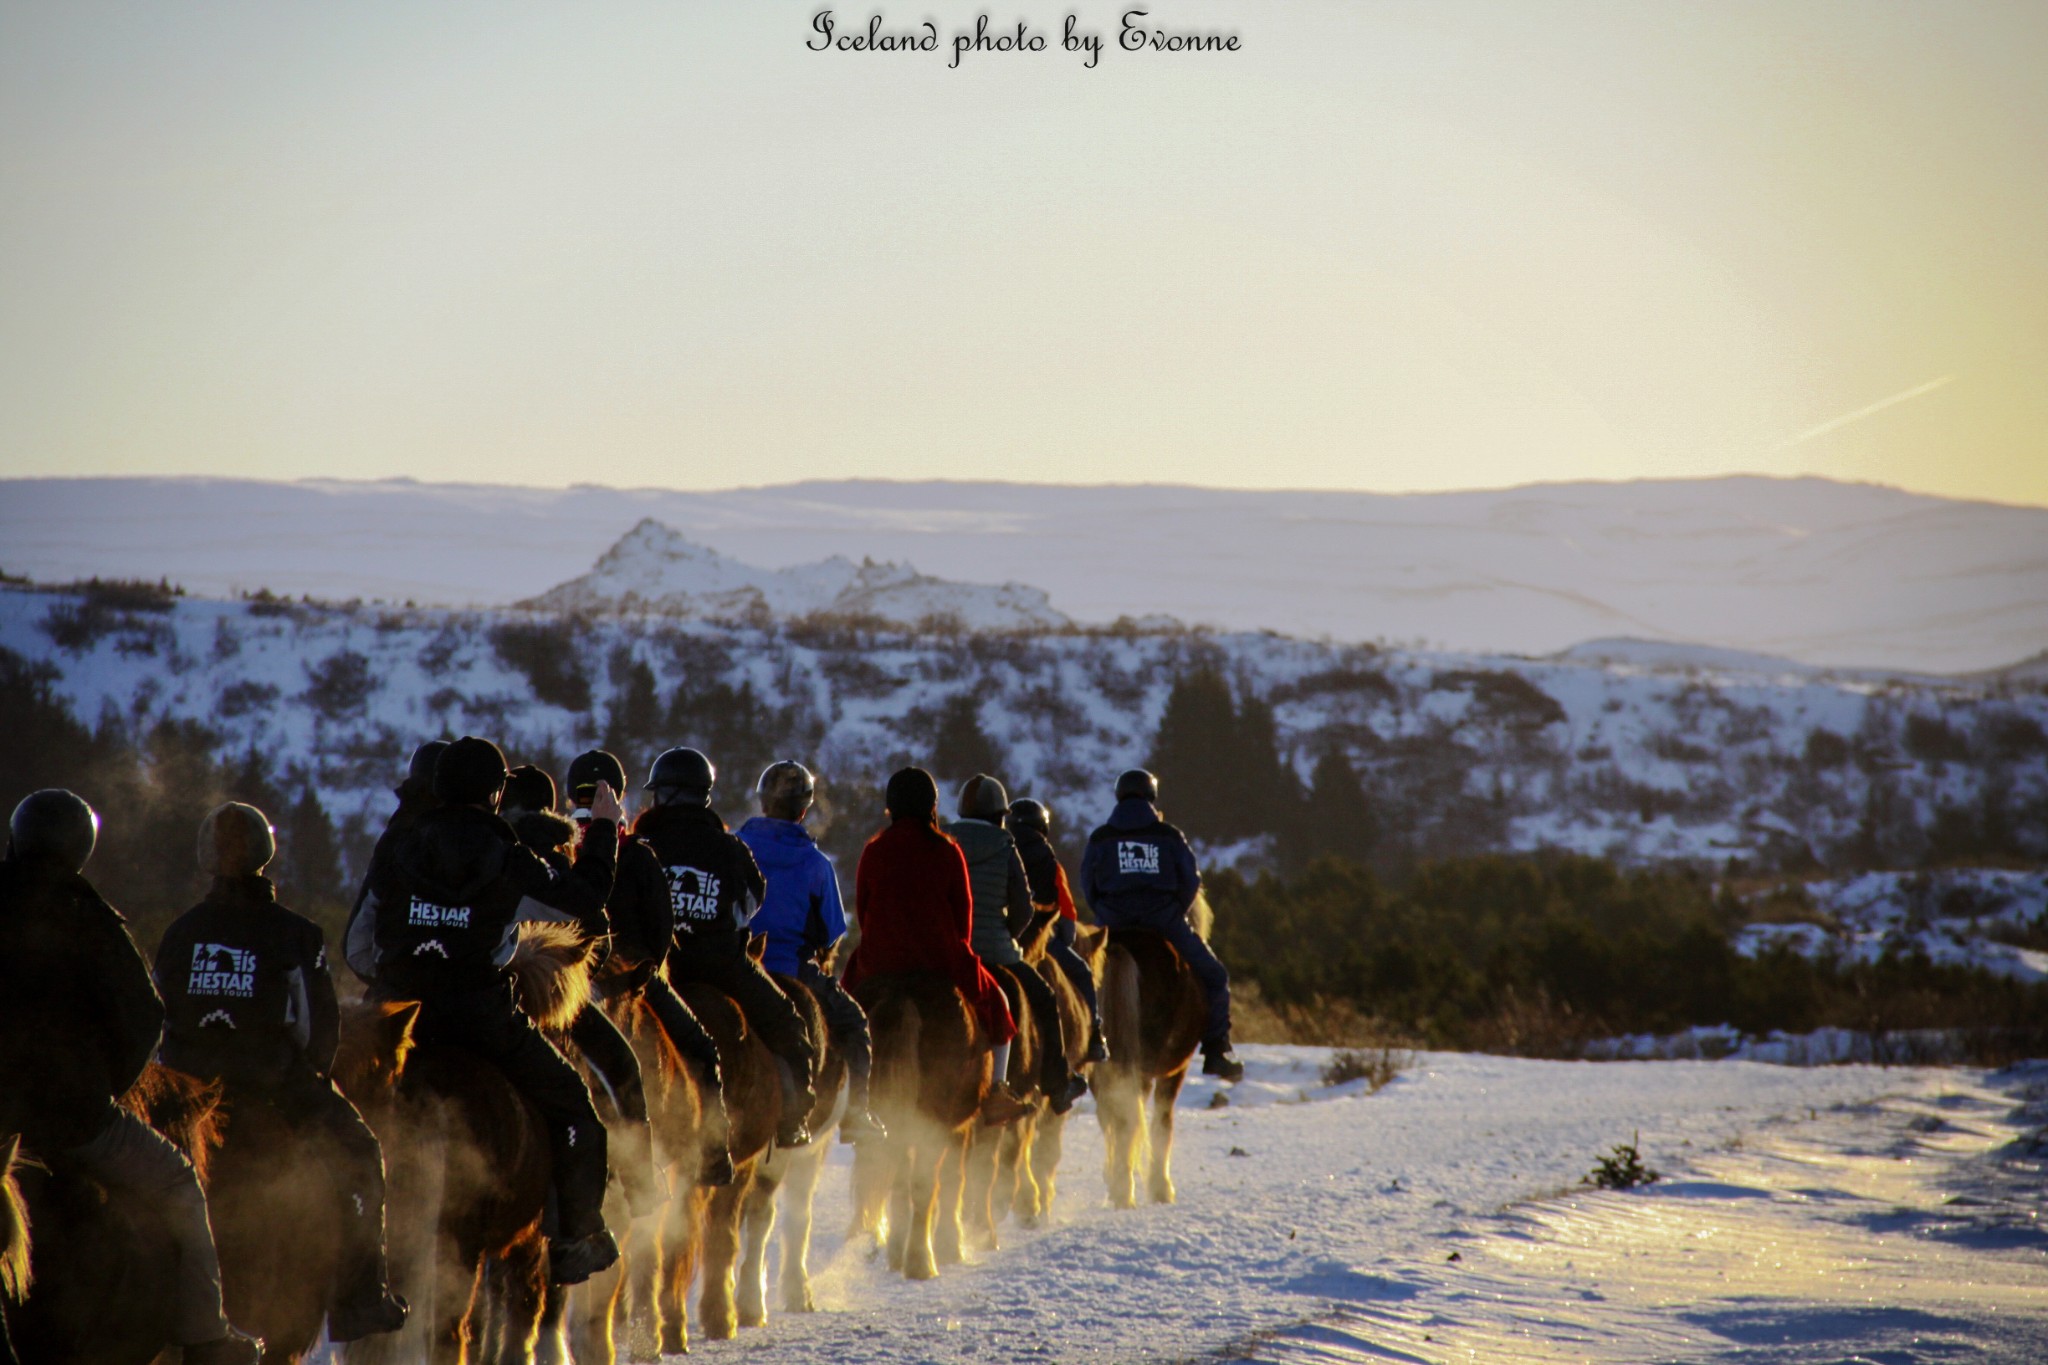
<point>1390,244</point>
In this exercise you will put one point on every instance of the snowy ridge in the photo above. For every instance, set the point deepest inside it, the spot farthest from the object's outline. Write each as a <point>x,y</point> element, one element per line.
<point>654,568</point>
<point>1822,572</point>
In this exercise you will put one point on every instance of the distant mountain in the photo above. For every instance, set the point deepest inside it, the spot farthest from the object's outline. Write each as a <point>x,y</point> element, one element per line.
<point>655,568</point>
<point>1823,573</point>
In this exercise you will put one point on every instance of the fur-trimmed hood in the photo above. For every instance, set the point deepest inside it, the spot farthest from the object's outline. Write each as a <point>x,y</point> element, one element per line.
<point>543,831</point>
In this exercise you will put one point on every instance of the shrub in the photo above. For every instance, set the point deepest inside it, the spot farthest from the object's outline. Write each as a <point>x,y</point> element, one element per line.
<point>1374,1066</point>
<point>549,655</point>
<point>1826,749</point>
<point>1622,1169</point>
<point>341,684</point>
<point>240,698</point>
<point>1931,739</point>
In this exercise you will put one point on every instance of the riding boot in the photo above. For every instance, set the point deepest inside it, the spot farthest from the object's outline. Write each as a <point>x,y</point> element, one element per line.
<point>1218,1060</point>
<point>365,1304</point>
<point>1098,1046</point>
<point>797,1098</point>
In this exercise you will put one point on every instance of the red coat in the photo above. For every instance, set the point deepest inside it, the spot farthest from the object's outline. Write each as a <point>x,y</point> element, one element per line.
<point>916,914</point>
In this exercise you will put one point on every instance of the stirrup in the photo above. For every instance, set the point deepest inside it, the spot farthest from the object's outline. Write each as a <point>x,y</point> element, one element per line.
<point>1098,1046</point>
<point>860,1125</point>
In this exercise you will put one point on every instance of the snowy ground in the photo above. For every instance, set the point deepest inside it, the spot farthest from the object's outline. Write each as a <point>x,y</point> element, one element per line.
<point>1314,1225</point>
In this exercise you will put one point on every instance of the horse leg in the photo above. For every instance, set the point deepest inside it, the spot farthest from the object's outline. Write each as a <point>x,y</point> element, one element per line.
<point>577,1325</point>
<point>757,1221</point>
<point>977,1194</point>
<point>1016,1178</point>
<point>949,1237</point>
<point>521,1291</point>
<point>681,1251</point>
<point>1116,1108</point>
<point>798,1192</point>
<point>717,1316</point>
<point>1160,1179</point>
<point>908,1218</point>
<point>1035,1185</point>
<point>920,1198</point>
<point>637,1303</point>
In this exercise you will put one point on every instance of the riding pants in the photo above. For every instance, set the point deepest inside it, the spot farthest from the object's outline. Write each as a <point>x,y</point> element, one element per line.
<point>759,998</point>
<point>131,1157</point>
<point>684,1030</point>
<point>1215,979</point>
<point>1060,948</point>
<point>847,1022</point>
<point>611,1056</point>
<point>489,1024</point>
<point>309,1100</point>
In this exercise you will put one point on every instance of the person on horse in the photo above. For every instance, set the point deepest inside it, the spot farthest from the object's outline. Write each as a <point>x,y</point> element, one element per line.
<point>529,807</point>
<point>1002,911</point>
<point>802,918</point>
<point>250,1004</point>
<point>915,906</point>
<point>1139,873</point>
<point>446,899</point>
<point>415,798</point>
<point>643,927</point>
<point>713,887</point>
<point>79,1019</point>
<point>1031,825</point>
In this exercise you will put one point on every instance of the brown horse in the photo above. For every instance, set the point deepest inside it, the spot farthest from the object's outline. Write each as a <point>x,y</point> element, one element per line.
<point>931,1071</point>
<point>91,1251</point>
<point>1011,1169</point>
<point>1153,1013</point>
<point>468,1168</point>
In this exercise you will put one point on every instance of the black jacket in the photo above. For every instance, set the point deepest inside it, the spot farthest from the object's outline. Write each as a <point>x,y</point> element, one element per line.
<point>446,896</point>
<point>79,1018</point>
<point>246,988</point>
<point>1041,866</point>
<point>712,880</point>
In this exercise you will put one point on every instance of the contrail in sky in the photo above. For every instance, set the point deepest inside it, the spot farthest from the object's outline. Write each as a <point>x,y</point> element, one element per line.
<point>1879,406</point>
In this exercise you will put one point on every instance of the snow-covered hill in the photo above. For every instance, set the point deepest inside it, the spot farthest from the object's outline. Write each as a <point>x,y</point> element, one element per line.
<point>1821,572</point>
<point>654,568</point>
<point>1458,753</point>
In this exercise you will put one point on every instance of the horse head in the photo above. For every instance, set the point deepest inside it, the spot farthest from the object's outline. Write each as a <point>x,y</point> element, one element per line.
<point>376,1039</point>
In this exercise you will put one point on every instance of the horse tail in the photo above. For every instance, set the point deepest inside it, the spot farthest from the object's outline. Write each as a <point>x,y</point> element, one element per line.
<point>1122,1008</point>
<point>1201,916</point>
<point>14,1262</point>
<point>551,965</point>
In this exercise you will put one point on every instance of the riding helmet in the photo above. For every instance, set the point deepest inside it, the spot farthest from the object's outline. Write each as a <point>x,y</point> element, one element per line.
<point>983,798</point>
<point>235,840</point>
<point>912,794</point>
<point>1137,785</point>
<point>470,773</point>
<point>53,826</point>
<point>1026,813</point>
<point>528,788</point>
<point>682,775</point>
<point>590,768</point>
<point>420,771</point>
<point>785,785</point>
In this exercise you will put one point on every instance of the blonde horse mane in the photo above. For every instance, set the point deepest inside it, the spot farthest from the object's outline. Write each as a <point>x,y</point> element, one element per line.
<point>552,966</point>
<point>14,1262</point>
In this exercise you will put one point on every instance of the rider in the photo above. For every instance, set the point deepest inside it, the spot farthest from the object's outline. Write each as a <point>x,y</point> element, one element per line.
<point>529,807</point>
<point>78,1022</point>
<point>802,919</point>
<point>1139,873</point>
<point>643,925</point>
<point>446,901</point>
<point>916,912</point>
<point>1002,910</point>
<point>415,798</point>
<point>713,888</point>
<point>1031,825</point>
<point>250,1004</point>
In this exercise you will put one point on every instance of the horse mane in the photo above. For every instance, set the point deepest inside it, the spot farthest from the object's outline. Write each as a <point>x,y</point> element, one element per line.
<point>1201,916</point>
<point>552,968</point>
<point>183,1108</point>
<point>14,1259</point>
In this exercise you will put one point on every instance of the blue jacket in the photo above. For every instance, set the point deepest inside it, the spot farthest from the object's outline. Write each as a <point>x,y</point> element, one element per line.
<point>801,915</point>
<point>1138,869</point>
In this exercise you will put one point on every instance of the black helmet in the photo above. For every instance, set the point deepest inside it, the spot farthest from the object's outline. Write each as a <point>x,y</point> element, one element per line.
<point>471,772</point>
<point>912,794</point>
<point>236,840</point>
<point>1028,814</point>
<point>1137,785</point>
<point>528,788</point>
<point>786,785</point>
<point>589,769</point>
<point>53,826</point>
<point>682,774</point>
<point>421,770</point>
<point>983,798</point>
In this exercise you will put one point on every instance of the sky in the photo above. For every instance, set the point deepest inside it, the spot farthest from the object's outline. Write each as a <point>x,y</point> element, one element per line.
<point>1386,245</point>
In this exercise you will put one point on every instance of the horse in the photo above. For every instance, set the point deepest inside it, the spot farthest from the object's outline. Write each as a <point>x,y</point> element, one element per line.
<point>791,1173</point>
<point>931,1071</point>
<point>1153,1015</point>
<point>14,1247</point>
<point>91,1251</point>
<point>468,1166</point>
<point>1011,1169</point>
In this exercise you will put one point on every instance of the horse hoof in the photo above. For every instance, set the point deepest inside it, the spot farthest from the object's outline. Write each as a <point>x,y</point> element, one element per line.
<point>799,1301</point>
<point>753,1319</point>
<point>923,1270</point>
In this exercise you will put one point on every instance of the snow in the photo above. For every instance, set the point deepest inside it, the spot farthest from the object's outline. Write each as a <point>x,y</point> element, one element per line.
<point>1823,573</point>
<point>1297,1202</point>
<point>1951,916</point>
<point>654,568</point>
